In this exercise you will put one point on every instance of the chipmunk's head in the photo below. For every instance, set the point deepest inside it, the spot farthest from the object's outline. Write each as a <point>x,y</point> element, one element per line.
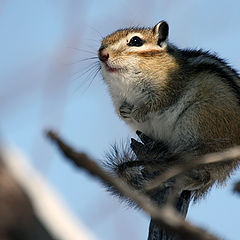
<point>131,54</point>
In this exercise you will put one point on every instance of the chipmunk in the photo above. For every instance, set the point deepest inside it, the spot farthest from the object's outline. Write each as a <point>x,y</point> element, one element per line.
<point>186,100</point>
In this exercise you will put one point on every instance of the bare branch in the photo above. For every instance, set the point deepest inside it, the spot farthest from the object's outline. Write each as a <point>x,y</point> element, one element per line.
<point>166,216</point>
<point>227,155</point>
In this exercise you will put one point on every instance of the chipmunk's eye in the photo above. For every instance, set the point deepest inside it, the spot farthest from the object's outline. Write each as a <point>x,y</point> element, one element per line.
<point>135,42</point>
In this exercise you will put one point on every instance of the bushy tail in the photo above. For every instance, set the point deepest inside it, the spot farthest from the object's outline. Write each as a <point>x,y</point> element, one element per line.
<point>139,163</point>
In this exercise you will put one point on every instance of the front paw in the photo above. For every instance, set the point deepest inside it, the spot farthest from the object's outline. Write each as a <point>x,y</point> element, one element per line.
<point>139,115</point>
<point>149,148</point>
<point>125,110</point>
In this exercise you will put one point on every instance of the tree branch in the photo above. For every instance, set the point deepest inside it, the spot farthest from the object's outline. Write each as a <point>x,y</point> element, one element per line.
<point>166,216</point>
<point>226,155</point>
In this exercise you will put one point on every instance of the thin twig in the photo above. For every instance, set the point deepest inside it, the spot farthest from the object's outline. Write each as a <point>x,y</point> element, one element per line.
<point>166,216</point>
<point>227,155</point>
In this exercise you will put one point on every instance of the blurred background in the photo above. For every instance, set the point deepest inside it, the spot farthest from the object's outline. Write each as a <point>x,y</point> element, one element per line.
<point>46,83</point>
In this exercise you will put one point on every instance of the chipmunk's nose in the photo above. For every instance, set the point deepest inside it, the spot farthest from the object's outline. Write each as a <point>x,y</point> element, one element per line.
<point>103,54</point>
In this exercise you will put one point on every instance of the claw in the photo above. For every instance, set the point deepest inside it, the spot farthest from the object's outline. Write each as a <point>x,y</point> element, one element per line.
<point>145,139</point>
<point>138,132</point>
<point>136,146</point>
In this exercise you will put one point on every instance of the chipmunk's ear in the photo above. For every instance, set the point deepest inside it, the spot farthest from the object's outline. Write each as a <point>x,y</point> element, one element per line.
<point>161,32</point>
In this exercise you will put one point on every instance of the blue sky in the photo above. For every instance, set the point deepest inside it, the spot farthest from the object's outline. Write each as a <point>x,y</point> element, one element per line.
<point>42,85</point>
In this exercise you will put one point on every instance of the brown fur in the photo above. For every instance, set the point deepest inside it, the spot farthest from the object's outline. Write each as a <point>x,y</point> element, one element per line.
<point>114,37</point>
<point>214,113</point>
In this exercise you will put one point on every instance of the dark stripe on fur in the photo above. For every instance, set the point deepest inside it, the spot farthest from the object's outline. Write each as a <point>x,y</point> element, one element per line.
<point>188,59</point>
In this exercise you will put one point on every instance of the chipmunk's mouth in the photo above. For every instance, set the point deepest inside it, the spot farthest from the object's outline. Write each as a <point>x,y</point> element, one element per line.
<point>112,69</point>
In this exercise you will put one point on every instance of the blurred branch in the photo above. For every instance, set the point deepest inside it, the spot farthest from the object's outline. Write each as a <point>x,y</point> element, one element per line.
<point>226,155</point>
<point>166,216</point>
<point>29,208</point>
<point>18,218</point>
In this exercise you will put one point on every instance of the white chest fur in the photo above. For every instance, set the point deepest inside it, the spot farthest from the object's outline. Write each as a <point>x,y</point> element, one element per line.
<point>161,125</point>
<point>122,87</point>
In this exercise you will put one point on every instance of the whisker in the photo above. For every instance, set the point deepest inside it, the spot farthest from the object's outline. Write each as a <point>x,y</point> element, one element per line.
<point>82,60</point>
<point>94,40</point>
<point>86,71</point>
<point>89,46</point>
<point>92,75</point>
<point>96,73</point>
<point>94,69</point>
<point>92,66</point>
<point>102,37</point>
<point>83,50</point>
<point>97,69</point>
